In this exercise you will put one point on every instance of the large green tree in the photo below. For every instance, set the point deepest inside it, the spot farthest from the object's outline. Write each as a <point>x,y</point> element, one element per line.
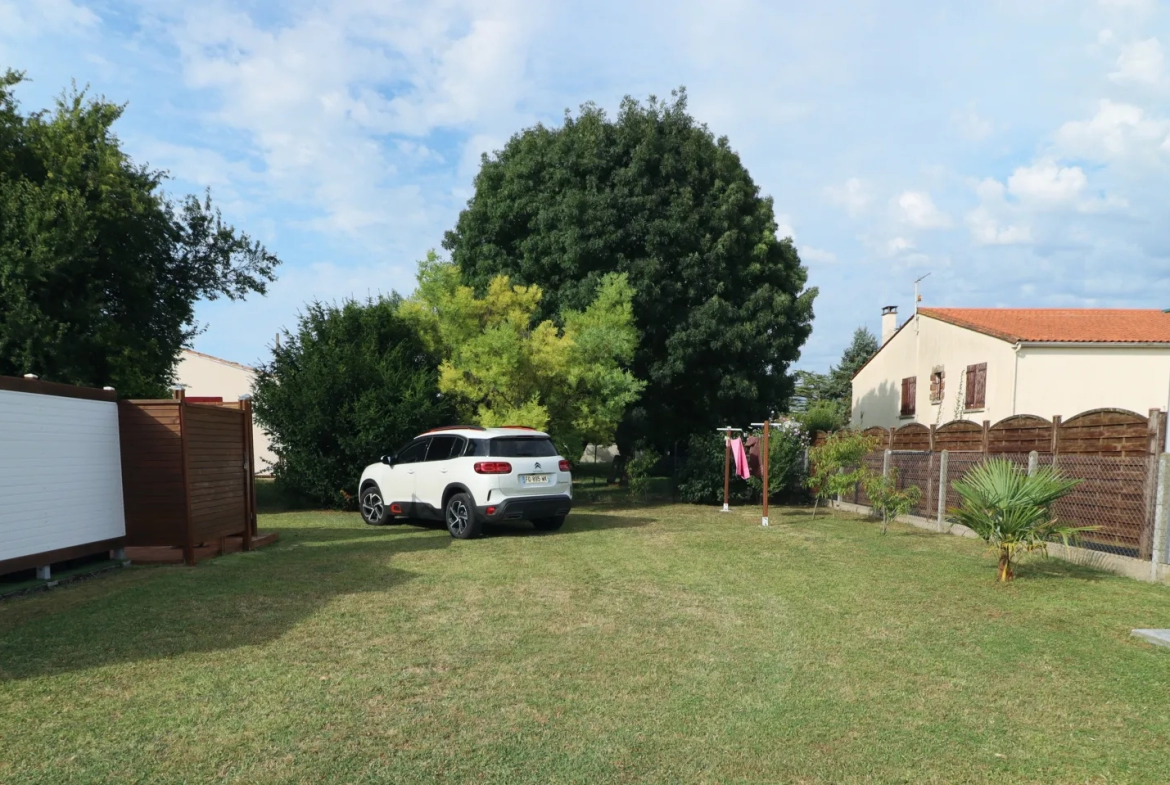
<point>354,382</point>
<point>502,368</point>
<point>99,270</point>
<point>719,300</point>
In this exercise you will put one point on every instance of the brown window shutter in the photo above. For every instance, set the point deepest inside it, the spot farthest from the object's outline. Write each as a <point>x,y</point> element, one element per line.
<point>981,385</point>
<point>969,397</point>
<point>902,403</point>
<point>913,394</point>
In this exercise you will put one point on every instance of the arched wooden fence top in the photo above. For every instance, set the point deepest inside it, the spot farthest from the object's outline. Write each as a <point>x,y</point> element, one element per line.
<point>882,434</point>
<point>914,436</point>
<point>959,435</point>
<point>1104,431</point>
<point>1021,433</point>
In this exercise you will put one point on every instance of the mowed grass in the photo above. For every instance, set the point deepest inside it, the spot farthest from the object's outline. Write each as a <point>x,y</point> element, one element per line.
<point>664,644</point>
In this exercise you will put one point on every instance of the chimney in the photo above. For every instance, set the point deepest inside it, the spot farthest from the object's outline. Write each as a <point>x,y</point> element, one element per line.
<point>889,322</point>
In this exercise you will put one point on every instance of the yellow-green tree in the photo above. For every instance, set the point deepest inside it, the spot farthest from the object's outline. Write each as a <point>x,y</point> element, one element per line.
<point>502,367</point>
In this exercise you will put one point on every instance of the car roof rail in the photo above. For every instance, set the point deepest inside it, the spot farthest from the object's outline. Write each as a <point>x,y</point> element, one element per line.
<point>518,427</point>
<point>457,428</point>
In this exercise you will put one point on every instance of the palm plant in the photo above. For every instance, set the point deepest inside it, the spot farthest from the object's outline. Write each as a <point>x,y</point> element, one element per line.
<point>1012,510</point>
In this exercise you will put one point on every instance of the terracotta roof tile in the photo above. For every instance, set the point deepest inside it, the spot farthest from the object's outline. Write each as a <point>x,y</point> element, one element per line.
<point>1071,325</point>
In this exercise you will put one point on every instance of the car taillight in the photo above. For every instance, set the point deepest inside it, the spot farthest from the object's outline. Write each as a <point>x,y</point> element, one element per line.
<point>566,466</point>
<point>493,467</point>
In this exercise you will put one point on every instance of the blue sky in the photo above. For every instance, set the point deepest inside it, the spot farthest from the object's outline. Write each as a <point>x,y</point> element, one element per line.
<point>1017,151</point>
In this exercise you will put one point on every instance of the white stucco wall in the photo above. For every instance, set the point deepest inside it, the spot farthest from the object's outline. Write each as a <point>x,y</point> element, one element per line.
<point>209,377</point>
<point>1040,380</point>
<point>917,351</point>
<point>1067,381</point>
<point>60,473</point>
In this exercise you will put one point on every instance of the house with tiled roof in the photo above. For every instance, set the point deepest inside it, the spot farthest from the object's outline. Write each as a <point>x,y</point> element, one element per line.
<point>207,378</point>
<point>944,364</point>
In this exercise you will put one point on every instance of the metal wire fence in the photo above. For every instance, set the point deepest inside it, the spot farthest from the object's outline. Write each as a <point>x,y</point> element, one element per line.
<point>1114,499</point>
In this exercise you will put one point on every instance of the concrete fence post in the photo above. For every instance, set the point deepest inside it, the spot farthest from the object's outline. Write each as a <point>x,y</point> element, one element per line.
<point>1161,517</point>
<point>943,460</point>
<point>1033,462</point>
<point>886,463</point>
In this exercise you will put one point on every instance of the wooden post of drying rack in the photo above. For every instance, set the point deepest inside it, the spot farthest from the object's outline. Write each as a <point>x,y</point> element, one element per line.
<point>767,425</point>
<point>727,431</point>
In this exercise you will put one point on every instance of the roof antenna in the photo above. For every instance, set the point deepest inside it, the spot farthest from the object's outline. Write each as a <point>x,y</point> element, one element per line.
<point>917,296</point>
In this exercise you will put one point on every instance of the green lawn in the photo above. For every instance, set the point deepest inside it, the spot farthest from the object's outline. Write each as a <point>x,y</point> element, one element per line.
<point>665,644</point>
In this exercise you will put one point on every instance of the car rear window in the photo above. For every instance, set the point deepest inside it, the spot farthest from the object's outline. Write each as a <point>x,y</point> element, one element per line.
<point>523,447</point>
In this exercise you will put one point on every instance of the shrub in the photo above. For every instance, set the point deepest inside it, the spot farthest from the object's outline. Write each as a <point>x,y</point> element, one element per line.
<point>1012,510</point>
<point>836,467</point>
<point>639,468</point>
<point>825,416</point>
<point>786,446</point>
<point>887,500</point>
<point>700,478</point>
<point>351,384</point>
<point>701,472</point>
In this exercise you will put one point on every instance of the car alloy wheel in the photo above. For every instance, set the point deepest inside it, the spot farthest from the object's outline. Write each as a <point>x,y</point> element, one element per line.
<point>373,508</point>
<point>458,517</point>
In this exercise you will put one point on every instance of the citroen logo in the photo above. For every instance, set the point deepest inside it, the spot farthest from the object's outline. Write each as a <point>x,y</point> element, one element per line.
<point>538,465</point>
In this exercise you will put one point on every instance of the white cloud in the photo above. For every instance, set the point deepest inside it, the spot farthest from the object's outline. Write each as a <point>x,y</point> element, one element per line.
<point>898,245</point>
<point>44,16</point>
<point>319,95</point>
<point>986,231</point>
<point>854,195</point>
<point>917,209</point>
<point>784,226</point>
<point>1047,183</point>
<point>1129,5</point>
<point>970,125</point>
<point>810,254</point>
<point>1141,62</point>
<point>1117,130</point>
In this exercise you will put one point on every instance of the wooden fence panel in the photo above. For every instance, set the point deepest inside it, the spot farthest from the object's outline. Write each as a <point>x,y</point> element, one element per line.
<point>913,436</point>
<point>959,435</point>
<point>217,469</point>
<point>1115,432</point>
<point>152,472</point>
<point>186,474</point>
<point>1020,434</point>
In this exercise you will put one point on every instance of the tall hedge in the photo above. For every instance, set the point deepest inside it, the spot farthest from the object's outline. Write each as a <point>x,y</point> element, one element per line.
<point>352,383</point>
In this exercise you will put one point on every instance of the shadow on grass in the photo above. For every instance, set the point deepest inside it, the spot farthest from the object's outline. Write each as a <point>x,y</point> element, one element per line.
<point>245,599</point>
<point>1055,569</point>
<point>575,523</point>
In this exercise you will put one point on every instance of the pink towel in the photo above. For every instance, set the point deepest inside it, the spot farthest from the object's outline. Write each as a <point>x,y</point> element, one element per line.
<point>740,457</point>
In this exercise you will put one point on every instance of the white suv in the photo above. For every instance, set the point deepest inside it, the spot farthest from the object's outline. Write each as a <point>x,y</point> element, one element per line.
<point>467,476</point>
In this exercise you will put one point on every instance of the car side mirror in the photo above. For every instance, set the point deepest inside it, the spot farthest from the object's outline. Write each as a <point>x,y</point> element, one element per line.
<point>388,460</point>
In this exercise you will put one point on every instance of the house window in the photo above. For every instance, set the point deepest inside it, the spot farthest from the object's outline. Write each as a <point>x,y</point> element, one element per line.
<point>909,394</point>
<point>938,380</point>
<point>976,386</point>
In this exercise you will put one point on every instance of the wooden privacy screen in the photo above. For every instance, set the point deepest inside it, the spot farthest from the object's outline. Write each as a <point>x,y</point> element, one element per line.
<point>186,473</point>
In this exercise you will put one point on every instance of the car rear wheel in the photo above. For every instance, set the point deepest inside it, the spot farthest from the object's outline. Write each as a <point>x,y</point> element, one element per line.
<point>549,524</point>
<point>373,506</point>
<point>459,513</point>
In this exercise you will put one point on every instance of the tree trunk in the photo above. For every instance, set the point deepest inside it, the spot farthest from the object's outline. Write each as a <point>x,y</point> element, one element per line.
<point>1004,572</point>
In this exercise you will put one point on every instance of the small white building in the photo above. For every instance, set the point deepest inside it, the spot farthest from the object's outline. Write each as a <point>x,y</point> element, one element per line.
<point>978,364</point>
<point>211,378</point>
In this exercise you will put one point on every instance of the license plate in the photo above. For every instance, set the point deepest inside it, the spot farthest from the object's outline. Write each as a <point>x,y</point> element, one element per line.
<point>534,479</point>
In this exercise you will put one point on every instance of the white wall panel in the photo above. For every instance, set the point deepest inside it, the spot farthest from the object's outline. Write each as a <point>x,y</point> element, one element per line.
<point>60,473</point>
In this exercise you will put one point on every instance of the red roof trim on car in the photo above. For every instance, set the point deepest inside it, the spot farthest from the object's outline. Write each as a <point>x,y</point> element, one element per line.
<point>457,428</point>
